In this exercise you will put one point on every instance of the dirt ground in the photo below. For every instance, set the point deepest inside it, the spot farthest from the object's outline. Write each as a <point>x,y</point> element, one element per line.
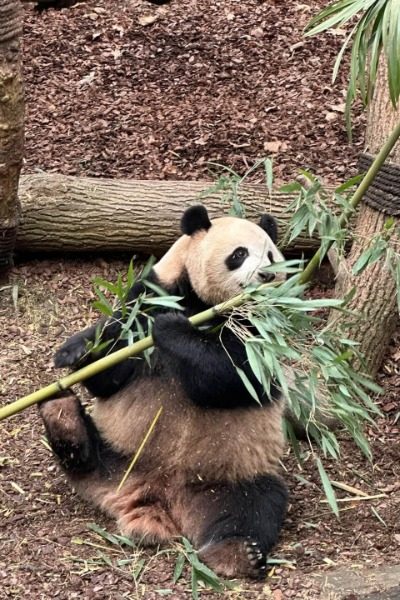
<point>127,89</point>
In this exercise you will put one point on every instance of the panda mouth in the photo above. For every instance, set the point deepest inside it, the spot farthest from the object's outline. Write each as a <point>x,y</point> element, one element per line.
<point>266,277</point>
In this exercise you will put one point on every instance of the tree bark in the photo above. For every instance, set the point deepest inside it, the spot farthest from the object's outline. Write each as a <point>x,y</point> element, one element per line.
<point>70,214</point>
<point>375,299</point>
<point>11,124</point>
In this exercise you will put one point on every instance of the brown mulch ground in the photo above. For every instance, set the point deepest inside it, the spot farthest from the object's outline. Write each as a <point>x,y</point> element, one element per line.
<point>111,93</point>
<point>201,81</point>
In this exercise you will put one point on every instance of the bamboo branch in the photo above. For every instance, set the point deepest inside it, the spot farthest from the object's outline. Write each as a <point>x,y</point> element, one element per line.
<point>356,199</point>
<point>117,357</point>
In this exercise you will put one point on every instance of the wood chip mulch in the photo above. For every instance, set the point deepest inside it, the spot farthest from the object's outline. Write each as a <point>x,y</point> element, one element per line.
<point>125,88</point>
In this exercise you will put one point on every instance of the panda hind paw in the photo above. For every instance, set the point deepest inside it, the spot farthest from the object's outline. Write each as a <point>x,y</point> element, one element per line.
<point>257,558</point>
<point>235,557</point>
<point>67,432</point>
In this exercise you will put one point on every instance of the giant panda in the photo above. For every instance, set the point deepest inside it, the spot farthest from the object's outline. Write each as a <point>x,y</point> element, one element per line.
<point>210,470</point>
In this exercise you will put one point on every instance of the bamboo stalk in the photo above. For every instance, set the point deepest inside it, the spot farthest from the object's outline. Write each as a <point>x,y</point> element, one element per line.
<point>356,498</point>
<point>109,361</point>
<point>139,450</point>
<point>117,357</point>
<point>356,199</point>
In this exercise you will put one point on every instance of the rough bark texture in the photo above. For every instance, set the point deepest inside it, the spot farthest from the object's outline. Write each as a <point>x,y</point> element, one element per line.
<point>62,213</point>
<point>375,300</point>
<point>11,124</point>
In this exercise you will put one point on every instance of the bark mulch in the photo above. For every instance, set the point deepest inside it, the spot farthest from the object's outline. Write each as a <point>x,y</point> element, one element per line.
<point>128,89</point>
<point>125,88</point>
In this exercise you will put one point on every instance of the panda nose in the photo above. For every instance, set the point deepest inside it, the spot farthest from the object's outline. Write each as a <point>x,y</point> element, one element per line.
<point>266,277</point>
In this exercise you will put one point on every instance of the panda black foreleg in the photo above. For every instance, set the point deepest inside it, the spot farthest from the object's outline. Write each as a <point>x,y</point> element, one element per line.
<point>206,363</point>
<point>235,525</point>
<point>74,352</point>
<point>72,434</point>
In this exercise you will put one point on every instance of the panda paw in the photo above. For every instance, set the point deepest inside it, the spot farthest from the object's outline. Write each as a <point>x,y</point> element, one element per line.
<point>235,557</point>
<point>71,352</point>
<point>170,325</point>
<point>257,558</point>
<point>67,432</point>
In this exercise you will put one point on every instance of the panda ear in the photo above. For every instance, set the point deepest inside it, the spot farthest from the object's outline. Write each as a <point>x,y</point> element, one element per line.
<point>195,219</point>
<point>270,226</point>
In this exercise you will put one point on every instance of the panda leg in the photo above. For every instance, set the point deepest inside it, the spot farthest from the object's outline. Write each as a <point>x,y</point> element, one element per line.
<point>235,525</point>
<point>141,511</point>
<point>72,434</point>
<point>96,470</point>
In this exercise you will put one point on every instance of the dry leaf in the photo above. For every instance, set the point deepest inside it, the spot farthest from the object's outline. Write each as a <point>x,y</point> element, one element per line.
<point>339,107</point>
<point>275,146</point>
<point>330,116</point>
<point>147,19</point>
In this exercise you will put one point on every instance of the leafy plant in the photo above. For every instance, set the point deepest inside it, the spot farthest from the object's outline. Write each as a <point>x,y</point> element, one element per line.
<point>200,573</point>
<point>229,182</point>
<point>309,212</point>
<point>134,316</point>
<point>297,350</point>
<point>128,555</point>
<point>374,27</point>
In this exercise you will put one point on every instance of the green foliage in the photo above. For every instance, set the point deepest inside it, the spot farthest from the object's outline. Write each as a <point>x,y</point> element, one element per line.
<point>135,317</point>
<point>374,26</point>
<point>201,576</point>
<point>229,182</point>
<point>311,213</point>
<point>329,491</point>
<point>200,573</point>
<point>296,349</point>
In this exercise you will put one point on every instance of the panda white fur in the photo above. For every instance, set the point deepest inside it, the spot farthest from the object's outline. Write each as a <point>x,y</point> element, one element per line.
<point>210,471</point>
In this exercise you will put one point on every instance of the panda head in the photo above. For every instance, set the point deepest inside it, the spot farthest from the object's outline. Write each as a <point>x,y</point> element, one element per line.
<point>221,256</point>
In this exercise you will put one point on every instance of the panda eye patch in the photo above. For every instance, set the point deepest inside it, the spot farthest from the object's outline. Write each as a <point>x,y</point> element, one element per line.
<point>271,257</point>
<point>237,258</point>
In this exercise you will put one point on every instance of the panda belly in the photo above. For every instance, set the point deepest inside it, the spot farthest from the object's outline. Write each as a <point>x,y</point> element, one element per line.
<point>196,444</point>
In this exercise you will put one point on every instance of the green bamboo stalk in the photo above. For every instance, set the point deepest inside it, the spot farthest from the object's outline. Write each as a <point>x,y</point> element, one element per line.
<point>116,357</point>
<point>109,361</point>
<point>356,199</point>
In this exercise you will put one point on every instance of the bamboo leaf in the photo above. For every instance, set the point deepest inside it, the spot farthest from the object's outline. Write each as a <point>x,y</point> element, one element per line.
<point>179,565</point>
<point>248,385</point>
<point>104,534</point>
<point>328,489</point>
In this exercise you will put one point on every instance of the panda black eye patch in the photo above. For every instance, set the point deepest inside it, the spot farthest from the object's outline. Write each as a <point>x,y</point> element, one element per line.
<point>271,257</point>
<point>237,258</point>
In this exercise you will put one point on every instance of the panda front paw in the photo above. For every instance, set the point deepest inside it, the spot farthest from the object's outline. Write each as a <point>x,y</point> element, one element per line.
<point>71,352</point>
<point>169,326</point>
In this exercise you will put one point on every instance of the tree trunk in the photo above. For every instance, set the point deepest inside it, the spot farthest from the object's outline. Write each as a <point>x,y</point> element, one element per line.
<point>11,124</point>
<point>62,213</point>
<point>375,299</point>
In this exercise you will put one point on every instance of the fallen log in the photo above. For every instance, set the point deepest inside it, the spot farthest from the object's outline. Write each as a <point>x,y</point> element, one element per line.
<point>61,213</point>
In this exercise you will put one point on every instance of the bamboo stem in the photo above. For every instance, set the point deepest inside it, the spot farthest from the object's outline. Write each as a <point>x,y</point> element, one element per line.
<point>139,450</point>
<point>116,357</point>
<point>356,199</point>
<point>108,361</point>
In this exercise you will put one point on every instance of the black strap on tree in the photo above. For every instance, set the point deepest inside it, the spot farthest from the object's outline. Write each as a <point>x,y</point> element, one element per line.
<point>384,192</point>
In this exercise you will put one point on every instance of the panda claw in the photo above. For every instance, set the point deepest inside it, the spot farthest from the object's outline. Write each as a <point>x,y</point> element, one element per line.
<point>256,557</point>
